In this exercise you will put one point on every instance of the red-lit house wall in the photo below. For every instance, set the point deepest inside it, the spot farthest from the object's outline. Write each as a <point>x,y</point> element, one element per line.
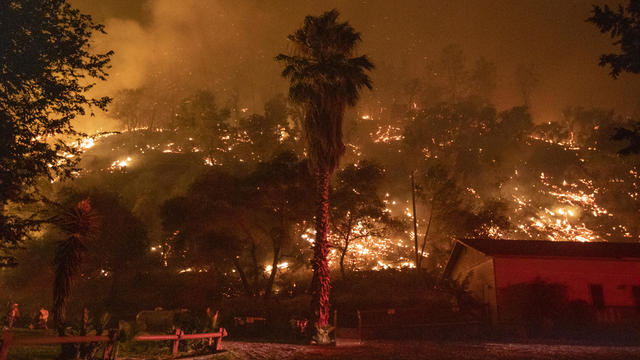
<point>616,276</point>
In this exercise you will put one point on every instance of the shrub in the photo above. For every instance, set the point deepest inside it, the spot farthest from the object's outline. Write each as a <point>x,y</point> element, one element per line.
<point>537,305</point>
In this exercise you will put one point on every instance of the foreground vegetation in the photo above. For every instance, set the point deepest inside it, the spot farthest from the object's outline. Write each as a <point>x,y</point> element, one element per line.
<point>405,350</point>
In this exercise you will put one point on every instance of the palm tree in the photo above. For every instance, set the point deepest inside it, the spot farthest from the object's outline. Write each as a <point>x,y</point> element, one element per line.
<point>325,77</point>
<point>79,224</point>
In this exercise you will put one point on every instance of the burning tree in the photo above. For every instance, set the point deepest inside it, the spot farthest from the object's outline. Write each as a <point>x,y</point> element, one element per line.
<point>357,211</point>
<point>325,78</point>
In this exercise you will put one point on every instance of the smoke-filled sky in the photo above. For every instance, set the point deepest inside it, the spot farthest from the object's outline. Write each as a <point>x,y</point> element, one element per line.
<point>175,47</point>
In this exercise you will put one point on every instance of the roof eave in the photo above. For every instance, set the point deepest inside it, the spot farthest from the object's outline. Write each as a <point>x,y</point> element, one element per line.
<point>457,247</point>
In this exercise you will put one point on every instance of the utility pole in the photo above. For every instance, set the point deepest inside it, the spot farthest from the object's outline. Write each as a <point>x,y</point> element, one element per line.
<point>415,218</point>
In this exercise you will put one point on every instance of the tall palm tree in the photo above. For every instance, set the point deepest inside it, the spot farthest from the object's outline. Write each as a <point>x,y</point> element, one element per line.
<point>79,223</point>
<point>325,77</point>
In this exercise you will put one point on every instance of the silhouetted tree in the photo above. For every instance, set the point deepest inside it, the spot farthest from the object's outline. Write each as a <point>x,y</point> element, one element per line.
<point>357,212</point>
<point>199,117</point>
<point>453,66</point>
<point>267,134</point>
<point>631,136</point>
<point>483,79</point>
<point>129,107</point>
<point>204,228</point>
<point>48,66</point>
<point>527,79</point>
<point>279,198</point>
<point>624,27</point>
<point>227,223</point>
<point>325,78</point>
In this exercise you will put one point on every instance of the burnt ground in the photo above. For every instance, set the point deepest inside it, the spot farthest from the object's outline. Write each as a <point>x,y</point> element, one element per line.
<point>424,350</point>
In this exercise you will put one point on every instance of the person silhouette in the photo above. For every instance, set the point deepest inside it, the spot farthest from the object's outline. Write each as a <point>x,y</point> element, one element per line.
<point>12,315</point>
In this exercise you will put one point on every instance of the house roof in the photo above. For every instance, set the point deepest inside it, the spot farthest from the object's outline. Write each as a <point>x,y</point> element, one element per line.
<point>542,248</point>
<point>493,247</point>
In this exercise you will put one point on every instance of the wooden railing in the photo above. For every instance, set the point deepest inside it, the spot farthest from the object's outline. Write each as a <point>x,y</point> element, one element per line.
<point>215,339</point>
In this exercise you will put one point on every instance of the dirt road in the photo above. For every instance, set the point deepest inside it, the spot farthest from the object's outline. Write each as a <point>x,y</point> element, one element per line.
<point>402,350</point>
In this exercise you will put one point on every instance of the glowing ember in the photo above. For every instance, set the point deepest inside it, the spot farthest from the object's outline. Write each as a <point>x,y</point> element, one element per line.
<point>281,266</point>
<point>387,134</point>
<point>120,164</point>
<point>368,251</point>
<point>87,143</point>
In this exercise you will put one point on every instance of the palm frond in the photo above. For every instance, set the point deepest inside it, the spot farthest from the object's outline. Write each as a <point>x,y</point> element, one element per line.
<point>325,78</point>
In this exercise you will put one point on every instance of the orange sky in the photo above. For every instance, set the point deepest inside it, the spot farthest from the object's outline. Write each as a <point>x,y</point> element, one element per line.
<point>228,46</point>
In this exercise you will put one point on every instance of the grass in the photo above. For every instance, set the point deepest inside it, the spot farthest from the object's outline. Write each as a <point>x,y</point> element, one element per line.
<point>33,352</point>
<point>149,350</point>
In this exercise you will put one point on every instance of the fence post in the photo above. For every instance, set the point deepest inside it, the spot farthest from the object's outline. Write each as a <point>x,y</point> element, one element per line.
<point>109,346</point>
<point>359,326</point>
<point>176,343</point>
<point>7,338</point>
<point>217,341</point>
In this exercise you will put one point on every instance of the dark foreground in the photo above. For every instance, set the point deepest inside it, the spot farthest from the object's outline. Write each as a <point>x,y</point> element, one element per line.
<point>378,350</point>
<point>424,350</point>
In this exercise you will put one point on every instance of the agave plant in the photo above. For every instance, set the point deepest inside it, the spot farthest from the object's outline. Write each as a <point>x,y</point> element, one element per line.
<point>79,224</point>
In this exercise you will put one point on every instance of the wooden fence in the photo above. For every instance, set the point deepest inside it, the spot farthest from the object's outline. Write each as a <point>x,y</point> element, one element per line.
<point>215,339</point>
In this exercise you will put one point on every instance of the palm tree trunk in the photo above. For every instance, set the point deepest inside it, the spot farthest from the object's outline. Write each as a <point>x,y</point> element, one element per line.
<point>321,283</point>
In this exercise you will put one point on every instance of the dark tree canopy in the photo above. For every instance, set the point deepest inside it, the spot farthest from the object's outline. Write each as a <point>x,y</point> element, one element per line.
<point>325,78</point>
<point>226,223</point>
<point>47,66</point>
<point>623,25</point>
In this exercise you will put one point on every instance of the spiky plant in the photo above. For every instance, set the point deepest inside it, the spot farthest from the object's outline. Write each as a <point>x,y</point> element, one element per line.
<point>325,78</point>
<point>79,224</point>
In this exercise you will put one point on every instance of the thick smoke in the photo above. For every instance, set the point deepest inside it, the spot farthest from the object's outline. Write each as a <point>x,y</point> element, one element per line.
<point>171,48</point>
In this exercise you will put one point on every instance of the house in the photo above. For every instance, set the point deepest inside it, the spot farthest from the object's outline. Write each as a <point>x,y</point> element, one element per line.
<point>604,275</point>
